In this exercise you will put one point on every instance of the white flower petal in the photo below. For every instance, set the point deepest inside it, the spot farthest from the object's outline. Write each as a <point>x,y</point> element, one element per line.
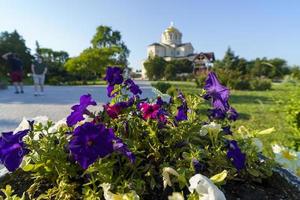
<point>166,175</point>
<point>22,126</point>
<point>257,142</point>
<point>58,125</point>
<point>205,188</point>
<point>176,196</point>
<point>41,119</point>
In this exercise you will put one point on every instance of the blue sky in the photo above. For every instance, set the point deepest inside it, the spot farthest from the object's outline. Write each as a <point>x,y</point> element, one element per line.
<point>269,28</point>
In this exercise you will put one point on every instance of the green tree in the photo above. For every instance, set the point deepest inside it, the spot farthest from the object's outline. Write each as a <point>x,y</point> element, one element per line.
<point>91,63</point>
<point>107,48</point>
<point>105,37</point>
<point>295,72</point>
<point>155,67</point>
<point>175,67</point>
<point>14,42</point>
<point>170,71</point>
<point>184,66</point>
<point>55,61</point>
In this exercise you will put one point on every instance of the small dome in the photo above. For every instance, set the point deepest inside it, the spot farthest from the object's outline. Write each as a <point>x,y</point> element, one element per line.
<point>171,28</point>
<point>171,36</point>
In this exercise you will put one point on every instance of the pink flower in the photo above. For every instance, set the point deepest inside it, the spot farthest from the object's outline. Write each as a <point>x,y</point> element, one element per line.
<point>150,111</point>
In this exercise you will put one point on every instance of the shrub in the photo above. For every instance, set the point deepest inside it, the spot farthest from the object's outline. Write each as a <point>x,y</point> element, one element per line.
<point>3,84</point>
<point>200,80</point>
<point>261,84</point>
<point>239,84</point>
<point>55,80</point>
<point>162,86</point>
<point>172,91</point>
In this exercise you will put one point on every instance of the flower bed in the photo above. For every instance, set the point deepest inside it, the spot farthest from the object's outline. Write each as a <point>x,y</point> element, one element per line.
<point>163,148</point>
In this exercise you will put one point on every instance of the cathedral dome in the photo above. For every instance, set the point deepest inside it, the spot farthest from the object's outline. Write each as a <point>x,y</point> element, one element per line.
<point>171,36</point>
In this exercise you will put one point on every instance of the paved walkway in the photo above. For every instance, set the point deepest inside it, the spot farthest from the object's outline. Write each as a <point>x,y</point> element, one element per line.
<point>55,104</point>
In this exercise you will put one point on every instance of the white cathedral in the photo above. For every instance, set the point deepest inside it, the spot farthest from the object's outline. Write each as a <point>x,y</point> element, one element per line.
<point>171,47</point>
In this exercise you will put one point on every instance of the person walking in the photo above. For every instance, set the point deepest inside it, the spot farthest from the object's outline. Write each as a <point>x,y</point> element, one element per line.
<point>39,70</point>
<point>15,71</point>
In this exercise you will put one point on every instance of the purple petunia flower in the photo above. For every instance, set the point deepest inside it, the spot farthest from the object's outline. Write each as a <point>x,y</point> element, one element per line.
<point>232,114</point>
<point>80,109</point>
<point>118,145</point>
<point>219,96</point>
<point>159,101</point>
<point>216,91</point>
<point>135,89</point>
<point>90,142</point>
<point>181,113</point>
<point>198,167</point>
<point>237,157</point>
<point>12,149</point>
<point>110,89</point>
<point>113,75</point>
<point>226,130</point>
<point>182,110</point>
<point>216,113</point>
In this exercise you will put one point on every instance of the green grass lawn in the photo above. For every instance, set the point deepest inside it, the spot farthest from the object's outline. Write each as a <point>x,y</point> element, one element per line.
<point>260,110</point>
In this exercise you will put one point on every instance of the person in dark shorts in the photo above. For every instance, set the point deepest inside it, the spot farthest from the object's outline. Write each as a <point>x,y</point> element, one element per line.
<point>15,71</point>
<point>39,70</point>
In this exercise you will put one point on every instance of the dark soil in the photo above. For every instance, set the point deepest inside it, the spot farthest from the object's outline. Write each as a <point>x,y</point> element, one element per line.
<point>275,188</point>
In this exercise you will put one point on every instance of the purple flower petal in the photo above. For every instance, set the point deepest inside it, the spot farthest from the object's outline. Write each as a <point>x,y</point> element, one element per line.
<point>110,89</point>
<point>80,109</point>
<point>91,142</point>
<point>12,149</point>
<point>237,157</point>
<point>232,114</point>
<point>181,114</point>
<point>122,148</point>
<point>214,88</point>
<point>135,89</point>
<point>113,75</point>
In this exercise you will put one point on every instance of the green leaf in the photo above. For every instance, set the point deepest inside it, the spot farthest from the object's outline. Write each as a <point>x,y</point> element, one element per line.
<point>219,177</point>
<point>182,181</point>
<point>253,172</point>
<point>266,132</point>
<point>32,167</point>
<point>28,167</point>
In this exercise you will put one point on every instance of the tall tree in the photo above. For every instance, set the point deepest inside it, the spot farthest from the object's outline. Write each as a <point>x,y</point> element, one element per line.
<point>55,61</point>
<point>155,67</point>
<point>105,37</point>
<point>14,42</point>
<point>107,48</point>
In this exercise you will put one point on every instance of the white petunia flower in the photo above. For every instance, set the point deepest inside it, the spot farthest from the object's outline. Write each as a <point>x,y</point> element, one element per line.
<point>108,195</point>
<point>176,196</point>
<point>41,119</point>
<point>257,142</point>
<point>58,125</point>
<point>166,175</point>
<point>276,148</point>
<point>211,127</point>
<point>22,126</point>
<point>205,188</point>
<point>287,158</point>
<point>86,119</point>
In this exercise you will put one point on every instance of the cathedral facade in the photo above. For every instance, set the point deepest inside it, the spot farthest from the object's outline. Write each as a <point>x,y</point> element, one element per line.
<point>171,47</point>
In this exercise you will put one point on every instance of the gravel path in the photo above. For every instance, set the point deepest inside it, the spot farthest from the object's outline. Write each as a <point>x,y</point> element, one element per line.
<point>55,104</point>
